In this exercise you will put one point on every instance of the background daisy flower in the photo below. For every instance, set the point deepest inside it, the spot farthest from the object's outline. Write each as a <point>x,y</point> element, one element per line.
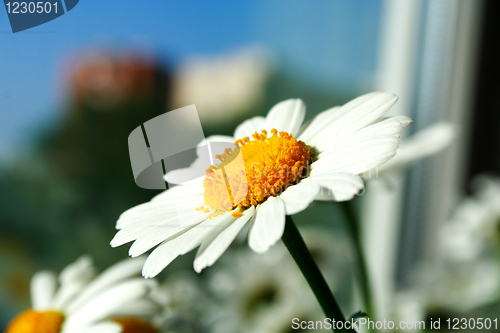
<point>464,277</point>
<point>112,302</point>
<point>249,288</point>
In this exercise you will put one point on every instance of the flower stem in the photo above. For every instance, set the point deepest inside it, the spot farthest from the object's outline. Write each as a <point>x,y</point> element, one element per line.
<point>353,225</point>
<point>300,253</point>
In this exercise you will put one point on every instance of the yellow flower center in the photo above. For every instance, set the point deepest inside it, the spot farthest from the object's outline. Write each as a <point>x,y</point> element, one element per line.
<point>268,167</point>
<point>134,325</point>
<point>31,321</point>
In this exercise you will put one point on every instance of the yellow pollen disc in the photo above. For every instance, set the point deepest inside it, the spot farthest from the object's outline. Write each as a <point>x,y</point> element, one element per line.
<point>135,325</point>
<point>268,167</point>
<point>31,321</point>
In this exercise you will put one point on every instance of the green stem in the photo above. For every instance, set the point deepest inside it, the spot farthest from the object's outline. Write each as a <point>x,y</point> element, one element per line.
<point>353,224</point>
<point>300,253</point>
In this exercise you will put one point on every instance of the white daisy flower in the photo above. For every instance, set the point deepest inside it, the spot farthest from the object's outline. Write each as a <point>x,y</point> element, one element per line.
<point>84,304</point>
<point>475,225</point>
<point>465,273</point>
<point>462,238</point>
<point>327,153</point>
<point>188,306</point>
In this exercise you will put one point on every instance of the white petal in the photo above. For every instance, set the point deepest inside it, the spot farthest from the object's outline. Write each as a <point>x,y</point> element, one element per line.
<point>350,118</point>
<point>217,138</point>
<point>358,158</point>
<point>298,197</point>
<point>165,253</point>
<point>312,127</point>
<point>366,149</point>
<point>213,138</point>
<point>176,192</point>
<point>43,286</point>
<point>159,207</point>
<point>168,200</point>
<point>159,215</point>
<point>72,280</point>
<point>160,258</point>
<point>210,251</point>
<point>104,327</point>
<point>206,229</point>
<point>109,302</point>
<point>78,270</point>
<point>154,235</point>
<point>424,143</point>
<point>213,148</point>
<point>120,271</point>
<point>342,186</point>
<point>403,120</point>
<point>269,225</point>
<point>286,116</point>
<point>200,164</point>
<point>249,127</point>
<point>157,235</point>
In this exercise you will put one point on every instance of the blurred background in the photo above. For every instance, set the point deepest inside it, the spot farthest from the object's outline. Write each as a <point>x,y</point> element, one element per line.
<point>73,89</point>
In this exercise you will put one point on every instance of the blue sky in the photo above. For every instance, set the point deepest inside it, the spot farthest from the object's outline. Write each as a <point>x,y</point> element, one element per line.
<point>323,43</point>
